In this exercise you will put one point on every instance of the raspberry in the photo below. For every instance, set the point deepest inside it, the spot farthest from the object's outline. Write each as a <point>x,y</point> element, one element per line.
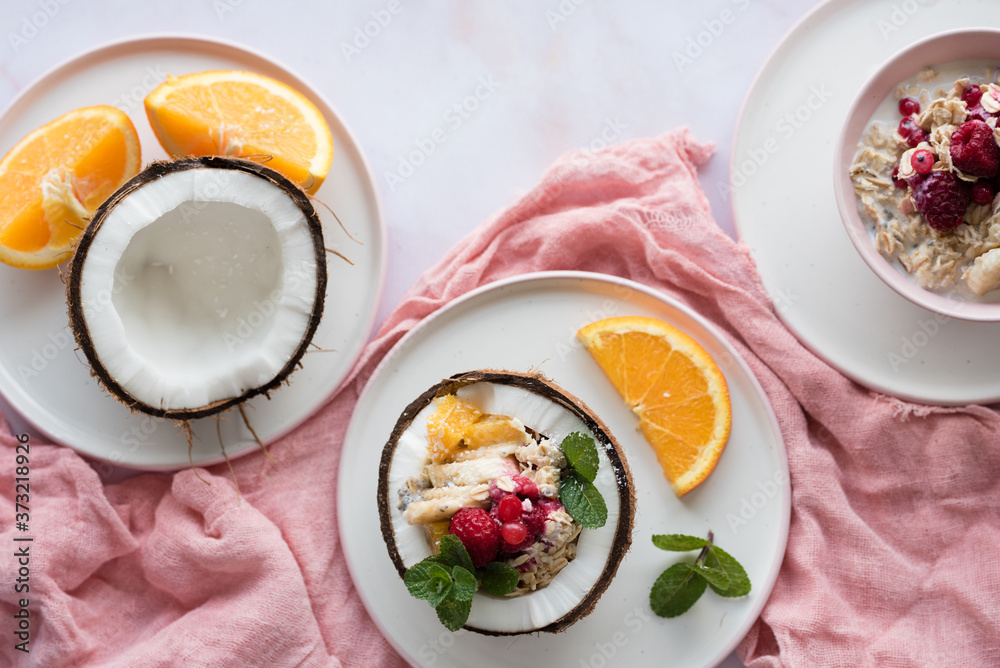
<point>535,520</point>
<point>973,149</point>
<point>982,192</point>
<point>977,113</point>
<point>525,487</point>
<point>550,505</point>
<point>495,492</point>
<point>908,106</point>
<point>911,133</point>
<point>478,533</point>
<point>971,95</point>
<point>522,486</point>
<point>942,198</point>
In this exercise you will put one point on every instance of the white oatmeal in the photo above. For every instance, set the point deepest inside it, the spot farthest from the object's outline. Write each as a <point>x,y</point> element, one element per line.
<point>962,263</point>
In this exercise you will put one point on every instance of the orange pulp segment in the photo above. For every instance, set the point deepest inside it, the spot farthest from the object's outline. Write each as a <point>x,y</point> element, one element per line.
<point>493,430</point>
<point>455,426</point>
<point>675,388</point>
<point>56,177</point>
<point>238,113</point>
<point>446,426</point>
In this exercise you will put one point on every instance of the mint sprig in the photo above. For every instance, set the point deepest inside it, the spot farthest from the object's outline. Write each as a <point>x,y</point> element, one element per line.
<point>681,585</point>
<point>678,542</point>
<point>454,553</point>
<point>739,581</point>
<point>581,453</point>
<point>448,581</point>
<point>429,581</point>
<point>582,500</point>
<point>498,578</point>
<point>676,590</point>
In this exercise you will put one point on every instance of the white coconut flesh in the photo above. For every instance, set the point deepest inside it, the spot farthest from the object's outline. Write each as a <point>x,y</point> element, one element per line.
<point>199,286</point>
<point>568,589</point>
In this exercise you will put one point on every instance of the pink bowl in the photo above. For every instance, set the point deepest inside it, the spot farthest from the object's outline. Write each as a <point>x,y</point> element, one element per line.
<point>941,48</point>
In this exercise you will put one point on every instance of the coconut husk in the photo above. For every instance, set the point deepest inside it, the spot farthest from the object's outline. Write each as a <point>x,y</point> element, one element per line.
<point>538,384</point>
<point>156,170</point>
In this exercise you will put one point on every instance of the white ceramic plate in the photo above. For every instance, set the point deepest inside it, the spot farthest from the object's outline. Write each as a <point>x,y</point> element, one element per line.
<point>530,322</point>
<point>784,206</point>
<point>48,382</point>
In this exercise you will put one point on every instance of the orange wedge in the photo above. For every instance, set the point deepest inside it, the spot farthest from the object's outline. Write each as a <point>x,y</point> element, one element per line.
<point>231,112</point>
<point>447,425</point>
<point>675,388</point>
<point>492,430</point>
<point>56,177</point>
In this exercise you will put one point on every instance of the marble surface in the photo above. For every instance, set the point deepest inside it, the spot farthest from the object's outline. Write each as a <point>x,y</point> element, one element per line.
<point>493,92</point>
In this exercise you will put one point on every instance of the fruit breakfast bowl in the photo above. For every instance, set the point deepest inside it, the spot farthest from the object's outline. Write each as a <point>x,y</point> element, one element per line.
<point>545,522</point>
<point>917,170</point>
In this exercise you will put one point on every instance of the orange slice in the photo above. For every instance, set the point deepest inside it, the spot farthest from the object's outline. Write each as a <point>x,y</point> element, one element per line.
<point>231,112</point>
<point>493,430</point>
<point>447,425</point>
<point>675,388</point>
<point>455,426</point>
<point>56,177</point>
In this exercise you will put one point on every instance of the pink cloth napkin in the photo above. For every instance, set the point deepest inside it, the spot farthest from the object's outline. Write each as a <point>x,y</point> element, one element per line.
<point>892,555</point>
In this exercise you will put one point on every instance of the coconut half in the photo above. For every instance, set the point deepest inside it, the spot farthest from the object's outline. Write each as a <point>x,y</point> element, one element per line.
<point>548,410</point>
<point>198,285</point>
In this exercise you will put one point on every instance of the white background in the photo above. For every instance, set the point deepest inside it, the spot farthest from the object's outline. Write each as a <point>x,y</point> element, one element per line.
<point>562,74</point>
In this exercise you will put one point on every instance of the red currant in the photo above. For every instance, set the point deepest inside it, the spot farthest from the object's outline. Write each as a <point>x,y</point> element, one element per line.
<point>514,533</point>
<point>911,133</point>
<point>510,508</point>
<point>922,161</point>
<point>971,95</point>
<point>908,106</point>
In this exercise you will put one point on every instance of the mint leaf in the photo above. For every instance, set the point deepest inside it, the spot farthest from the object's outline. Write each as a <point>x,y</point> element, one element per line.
<point>440,588</point>
<point>676,590</point>
<point>465,585</point>
<point>581,453</point>
<point>453,613</point>
<point>715,577</point>
<point>678,587</point>
<point>455,553</point>
<point>678,542</point>
<point>739,581</point>
<point>498,578</point>
<point>582,500</point>
<point>427,580</point>
<point>438,559</point>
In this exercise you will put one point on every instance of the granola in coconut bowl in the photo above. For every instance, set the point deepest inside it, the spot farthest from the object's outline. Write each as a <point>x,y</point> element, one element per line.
<point>497,489</point>
<point>927,179</point>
